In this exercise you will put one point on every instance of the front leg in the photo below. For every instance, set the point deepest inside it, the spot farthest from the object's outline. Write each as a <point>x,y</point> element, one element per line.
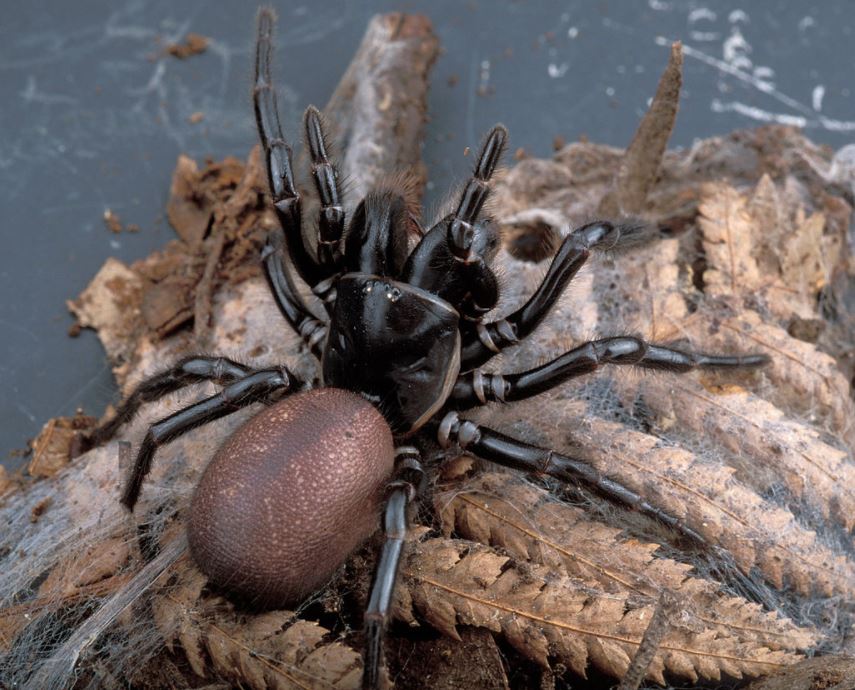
<point>325,176</point>
<point>487,340</point>
<point>277,155</point>
<point>477,388</point>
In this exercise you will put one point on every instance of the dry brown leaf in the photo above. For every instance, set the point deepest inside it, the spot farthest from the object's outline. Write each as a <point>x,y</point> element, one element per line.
<point>543,614</point>
<point>55,444</point>
<point>735,228</point>
<point>728,242</point>
<point>707,494</point>
<point>273,650</point>
<point>651,292</point>
<point>528,523</point>
<point>781,449</point>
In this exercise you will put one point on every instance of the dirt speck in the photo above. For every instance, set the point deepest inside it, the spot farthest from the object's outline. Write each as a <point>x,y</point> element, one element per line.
<point>40,508</point>
<point>193,44</point>
<point>112,221</point>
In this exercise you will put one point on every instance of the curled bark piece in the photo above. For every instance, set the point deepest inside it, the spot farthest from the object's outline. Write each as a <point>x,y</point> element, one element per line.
<point>639,167</point>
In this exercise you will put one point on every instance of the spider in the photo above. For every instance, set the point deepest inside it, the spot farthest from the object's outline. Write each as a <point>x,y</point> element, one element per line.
<point>401,344</point>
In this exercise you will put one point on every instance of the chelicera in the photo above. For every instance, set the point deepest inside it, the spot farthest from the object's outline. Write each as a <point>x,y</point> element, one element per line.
<point>401,344</point>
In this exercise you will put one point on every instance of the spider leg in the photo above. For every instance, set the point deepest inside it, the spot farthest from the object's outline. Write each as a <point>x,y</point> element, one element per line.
<point>187,371</point>
<point>289,301</point>
<point>489,339</point>
<point>476,388</point>
<point>402,492</point>
<point>277,154</point>
<point>494,446</point>
<point>461,233</point>
<point>471,287</point>
<point>452,258</point>
<point>325,175</point>
<point>254,387</point>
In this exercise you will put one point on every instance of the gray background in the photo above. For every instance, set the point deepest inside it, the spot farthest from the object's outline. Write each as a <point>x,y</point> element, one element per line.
<point>92,120</point>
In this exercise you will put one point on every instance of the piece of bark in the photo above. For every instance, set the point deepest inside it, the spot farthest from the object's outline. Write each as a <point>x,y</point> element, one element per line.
<point>639,167</point>
<point>377,111</point>
<point>111,304</point>
<point>189,213</point>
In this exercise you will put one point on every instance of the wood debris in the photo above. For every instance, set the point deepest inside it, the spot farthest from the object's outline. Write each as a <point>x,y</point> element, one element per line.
<point>56,444</point>
<point>193,44</point>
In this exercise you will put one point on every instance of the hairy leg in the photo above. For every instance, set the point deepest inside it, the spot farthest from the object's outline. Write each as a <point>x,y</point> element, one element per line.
<point>186,372</point>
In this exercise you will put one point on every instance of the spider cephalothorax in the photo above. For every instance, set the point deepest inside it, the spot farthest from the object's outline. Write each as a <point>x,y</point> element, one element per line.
<point>294,490</point>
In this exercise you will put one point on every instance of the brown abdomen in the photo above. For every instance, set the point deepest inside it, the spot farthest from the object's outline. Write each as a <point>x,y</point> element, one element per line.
<point>290,494</point>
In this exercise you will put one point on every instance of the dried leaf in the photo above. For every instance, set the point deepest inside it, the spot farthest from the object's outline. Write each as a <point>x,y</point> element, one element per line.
<point>728,242</point>
<point>796,267</point>
<point>7,484</point>
<point>526,522</point>
<point>274,650</point>
<point>189,212</point>
<point>543,614</point>
<point>55,444</point>
<point>790,451</point>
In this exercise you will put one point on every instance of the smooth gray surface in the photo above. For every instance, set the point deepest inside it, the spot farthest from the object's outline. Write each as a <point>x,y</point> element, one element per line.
<point>91,120</point>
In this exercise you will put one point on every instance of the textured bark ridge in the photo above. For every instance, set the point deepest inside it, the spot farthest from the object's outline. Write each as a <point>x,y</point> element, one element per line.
<point>537,579</point>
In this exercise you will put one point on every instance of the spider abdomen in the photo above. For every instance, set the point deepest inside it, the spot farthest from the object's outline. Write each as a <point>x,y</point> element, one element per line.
<point>290,494</point>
